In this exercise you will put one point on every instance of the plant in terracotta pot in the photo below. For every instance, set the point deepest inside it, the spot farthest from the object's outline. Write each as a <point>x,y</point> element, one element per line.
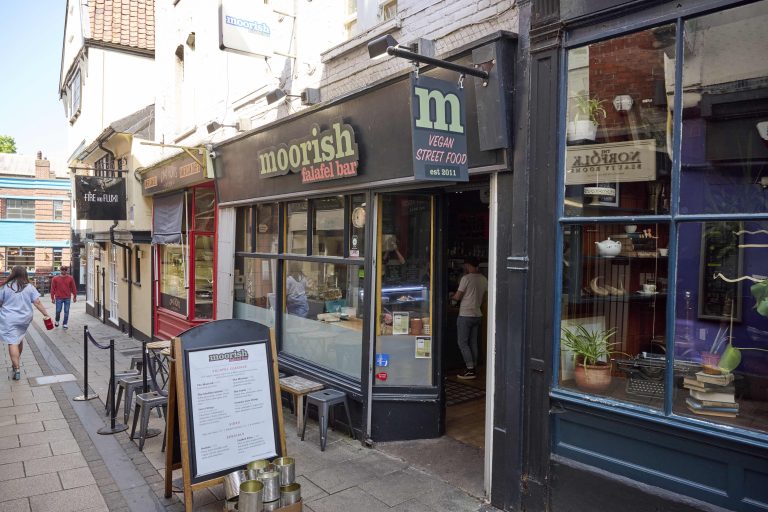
<point>589,112</point>
<point>592,355</point>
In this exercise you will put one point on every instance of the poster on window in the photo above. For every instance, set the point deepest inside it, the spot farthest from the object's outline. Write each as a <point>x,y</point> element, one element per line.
<point>98,198</point>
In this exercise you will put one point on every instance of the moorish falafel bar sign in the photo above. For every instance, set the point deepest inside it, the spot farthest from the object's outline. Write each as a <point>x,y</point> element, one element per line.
<point>231,404</point>
<point>100,198</point>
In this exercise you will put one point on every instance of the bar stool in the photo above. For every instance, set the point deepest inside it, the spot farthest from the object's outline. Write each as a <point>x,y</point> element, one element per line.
<point>325,400</point>
<point>137,362</point>
<point>145,402</point>
<point>118,375</point>
<point>130,384</point>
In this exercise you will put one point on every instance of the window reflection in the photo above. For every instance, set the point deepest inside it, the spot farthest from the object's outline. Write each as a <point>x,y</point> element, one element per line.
<point>725,97</point>
<point>296,242</point>
<point>267,228</point>
<point>173,275</point>
<point>204,276</point>
<point>323,319</point>
<point>618,125</point>
<point>255,286</point>
<point>328,226</point>
<point>205,205</point>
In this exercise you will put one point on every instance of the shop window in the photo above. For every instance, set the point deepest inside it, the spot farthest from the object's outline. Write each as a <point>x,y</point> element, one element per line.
<point>173,278</point>
<point>296,214</point>
<point>20,256</point>
<point>19,208</point>
<point>725,113</point>
<point>328,226</point>
<point>617,159</point>
<point>267,228</point>
<point>615,288</point>
<point>362,15</point>
<point>244,229</point>
<point>205,208</point>
<point>204,277</point>
<point>404,352</point>
<point>255,289</point>
<point>357,218</point>
<point>323,314</point>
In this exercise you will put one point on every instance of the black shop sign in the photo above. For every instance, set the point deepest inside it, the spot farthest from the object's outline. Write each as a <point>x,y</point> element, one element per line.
<point>98,198</point>
<point>439,130</point>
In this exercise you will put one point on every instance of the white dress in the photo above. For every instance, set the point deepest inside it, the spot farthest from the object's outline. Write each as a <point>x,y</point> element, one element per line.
<point>16,311</point>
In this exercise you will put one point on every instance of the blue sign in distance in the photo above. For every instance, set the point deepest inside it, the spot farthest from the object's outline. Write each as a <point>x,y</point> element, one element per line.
<point>382,359</point>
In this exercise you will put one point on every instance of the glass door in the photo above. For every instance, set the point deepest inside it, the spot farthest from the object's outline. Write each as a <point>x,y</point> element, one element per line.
<point>404,323</point>
<point>114,314</point>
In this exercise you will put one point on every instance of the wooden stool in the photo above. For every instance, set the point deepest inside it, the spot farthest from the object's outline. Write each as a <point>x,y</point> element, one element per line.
<point>298,388</point>
<point>325,400</point>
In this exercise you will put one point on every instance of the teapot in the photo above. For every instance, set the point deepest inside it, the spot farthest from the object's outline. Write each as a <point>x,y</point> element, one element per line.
<point>608,248</point>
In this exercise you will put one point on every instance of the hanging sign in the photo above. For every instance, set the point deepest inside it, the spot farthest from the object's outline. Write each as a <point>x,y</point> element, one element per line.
<point>611,163</point>
<point>439,130</point>
<point>247,27</point>
<point>98,198</point>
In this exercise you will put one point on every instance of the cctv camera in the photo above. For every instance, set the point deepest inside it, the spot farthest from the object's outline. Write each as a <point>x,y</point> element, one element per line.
<point>212,154</point>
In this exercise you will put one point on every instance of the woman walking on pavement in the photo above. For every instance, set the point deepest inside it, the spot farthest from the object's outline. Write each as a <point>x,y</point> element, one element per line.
<point>17,296</point>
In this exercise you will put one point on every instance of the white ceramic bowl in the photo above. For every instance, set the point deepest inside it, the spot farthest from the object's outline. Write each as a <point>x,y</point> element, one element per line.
<point>630,228</point>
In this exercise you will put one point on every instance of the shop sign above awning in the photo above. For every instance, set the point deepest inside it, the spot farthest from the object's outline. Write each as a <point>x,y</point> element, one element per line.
<point>439,129</point>
<point>179,172</point>
<point>99,198</point>
<point>167,216</point>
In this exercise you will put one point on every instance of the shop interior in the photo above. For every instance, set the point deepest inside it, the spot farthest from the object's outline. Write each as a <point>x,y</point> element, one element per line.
<point>467,218</point>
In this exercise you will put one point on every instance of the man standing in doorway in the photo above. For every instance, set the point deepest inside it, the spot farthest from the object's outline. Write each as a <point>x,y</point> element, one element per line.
<point>472,288</point>
<point>62,286</point>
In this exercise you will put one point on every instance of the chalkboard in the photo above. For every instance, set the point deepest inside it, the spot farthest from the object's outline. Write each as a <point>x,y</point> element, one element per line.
<point>224,402</point>
<point>720,254</point>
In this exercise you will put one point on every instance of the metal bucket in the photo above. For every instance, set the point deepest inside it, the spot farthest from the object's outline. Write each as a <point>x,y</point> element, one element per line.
<point>271,506</point>
<point>259,465</point>
<point>233,480</point>
<point>286,466</point>
<point>290,494</point>
<point>251,496</point>
<point>271,481</point>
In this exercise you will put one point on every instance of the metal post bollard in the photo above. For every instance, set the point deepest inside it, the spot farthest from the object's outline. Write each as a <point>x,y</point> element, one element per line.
<point>114,428</point>
<point>85,395</point>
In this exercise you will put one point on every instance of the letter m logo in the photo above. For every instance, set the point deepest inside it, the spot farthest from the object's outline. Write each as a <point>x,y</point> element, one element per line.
<point>444,104</point>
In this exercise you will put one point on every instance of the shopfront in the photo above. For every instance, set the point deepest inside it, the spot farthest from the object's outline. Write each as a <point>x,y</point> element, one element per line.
<point>346,256</point>
<point>183,238</point>
<point>660,361</point>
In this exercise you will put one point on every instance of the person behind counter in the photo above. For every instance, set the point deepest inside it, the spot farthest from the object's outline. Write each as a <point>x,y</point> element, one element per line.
<point>472,288</point>
<point>296,291</point>
<point>391,254</point>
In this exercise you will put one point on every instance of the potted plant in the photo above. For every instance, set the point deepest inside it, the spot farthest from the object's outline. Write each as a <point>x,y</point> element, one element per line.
<point>592,355</point>
<point>589,111</point>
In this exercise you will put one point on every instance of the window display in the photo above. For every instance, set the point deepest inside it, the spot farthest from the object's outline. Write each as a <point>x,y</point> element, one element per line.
<point>616,339</point>
<point>296,237</point>
<point>328,226</point>
<point>204,277</point>
<point>173,278</point>
<point>255,289</point>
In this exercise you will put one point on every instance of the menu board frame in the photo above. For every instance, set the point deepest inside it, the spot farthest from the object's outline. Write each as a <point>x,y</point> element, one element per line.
<point>238,333</point>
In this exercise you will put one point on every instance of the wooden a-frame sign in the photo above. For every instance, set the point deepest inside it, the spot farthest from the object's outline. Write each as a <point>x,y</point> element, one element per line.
<point>223,403</point>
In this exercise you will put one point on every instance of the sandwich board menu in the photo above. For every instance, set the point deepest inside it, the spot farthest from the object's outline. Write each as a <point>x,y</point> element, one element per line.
<point>224,404</point>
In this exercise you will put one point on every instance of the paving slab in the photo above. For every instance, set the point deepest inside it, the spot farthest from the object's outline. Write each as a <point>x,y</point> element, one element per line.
<point>11,471</point>
<point>349,500</point>
<point>15,429</point>
<point>46,436</point>
<point>401,486</point>
<point>54,464</point>
<point>20,505</point>
<point>29,486</point>
<point>79,477</point>
<point>70,500</point>
<point>9,442</point>
<point>25,453</point>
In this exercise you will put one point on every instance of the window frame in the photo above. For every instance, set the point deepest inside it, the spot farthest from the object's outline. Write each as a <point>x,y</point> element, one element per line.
<point>58,209</point>
<point>74,96</point>
<point>580,37</point>
<point>22,210</point>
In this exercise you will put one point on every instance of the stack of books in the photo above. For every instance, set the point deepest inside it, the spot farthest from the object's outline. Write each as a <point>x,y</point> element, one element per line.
<point>712,395</point>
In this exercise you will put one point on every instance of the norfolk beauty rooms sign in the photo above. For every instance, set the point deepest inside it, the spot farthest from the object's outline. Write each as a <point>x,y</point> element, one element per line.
<point>320,156</point>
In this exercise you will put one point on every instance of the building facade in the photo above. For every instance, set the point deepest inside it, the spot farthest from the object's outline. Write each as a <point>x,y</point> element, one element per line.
<point>35,214</point>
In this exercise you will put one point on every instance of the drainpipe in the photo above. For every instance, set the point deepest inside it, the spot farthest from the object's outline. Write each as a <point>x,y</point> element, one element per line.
<point>130,275</point>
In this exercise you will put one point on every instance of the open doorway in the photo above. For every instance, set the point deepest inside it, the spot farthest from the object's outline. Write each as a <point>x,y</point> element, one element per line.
<point>466,240</point>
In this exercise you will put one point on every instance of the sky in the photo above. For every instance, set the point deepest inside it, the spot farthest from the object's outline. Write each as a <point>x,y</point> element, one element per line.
<point>30,110</point>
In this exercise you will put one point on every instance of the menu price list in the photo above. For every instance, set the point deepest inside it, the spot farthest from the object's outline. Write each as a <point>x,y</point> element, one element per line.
<point>231,406</point>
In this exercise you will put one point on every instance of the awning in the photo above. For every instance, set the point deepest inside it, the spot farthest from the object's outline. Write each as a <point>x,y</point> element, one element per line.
<point>167,215</point>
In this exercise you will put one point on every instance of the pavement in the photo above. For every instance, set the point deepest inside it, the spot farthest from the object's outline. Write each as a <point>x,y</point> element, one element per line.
<point>53,459</point>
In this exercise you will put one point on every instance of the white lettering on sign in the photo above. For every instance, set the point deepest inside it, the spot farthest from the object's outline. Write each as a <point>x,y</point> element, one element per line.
<point>613,162</point>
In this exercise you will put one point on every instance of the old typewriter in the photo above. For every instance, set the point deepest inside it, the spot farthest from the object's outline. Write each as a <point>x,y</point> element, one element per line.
<point>645,373</point>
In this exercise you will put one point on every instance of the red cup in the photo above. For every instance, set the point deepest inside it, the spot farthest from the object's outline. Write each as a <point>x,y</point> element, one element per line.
<point>48,322</point>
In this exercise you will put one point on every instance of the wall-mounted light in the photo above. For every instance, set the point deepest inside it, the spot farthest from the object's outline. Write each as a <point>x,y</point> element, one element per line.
<point>623,103</point>
<point>242,125</point>
<point>308,96</point>
<point>388,45</point>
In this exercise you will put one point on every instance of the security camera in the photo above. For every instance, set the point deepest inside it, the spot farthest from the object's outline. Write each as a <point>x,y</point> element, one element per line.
<point>212,154</point>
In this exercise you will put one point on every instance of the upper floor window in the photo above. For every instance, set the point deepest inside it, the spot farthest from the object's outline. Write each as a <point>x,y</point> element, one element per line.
<point>73,95</point>
<point>20,209</point>
<point>58,210</point>
<point>361,15</point>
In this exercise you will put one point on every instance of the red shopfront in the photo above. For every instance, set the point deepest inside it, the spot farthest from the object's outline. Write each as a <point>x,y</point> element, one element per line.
<point>184,216</point>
